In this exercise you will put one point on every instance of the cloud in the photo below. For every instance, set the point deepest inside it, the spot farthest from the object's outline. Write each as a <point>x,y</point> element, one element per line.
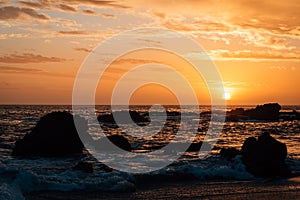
<point>75,32</point>
<point>88,34</point>
<point>89,12</point>
<point>282,68</point>
<point>135,61</point>
<point>32,71</point>
<point>48,5</point>
<point>4,2</point>
<point>160,14</point>
<point>234,84</point>
<point>14,35</point>
<point>277,17</point>
<point>107,16</point>
<point>198,26</point>
<point>37,4</point>
<point>277,26</point>
<point>246,54</point>
<point>28,58</point>
<point>52,5</point>
<point>5,69</point>
<point>67,8</point>
<point>10,12</point>
<point>99,3</point>
<point>83,49</point>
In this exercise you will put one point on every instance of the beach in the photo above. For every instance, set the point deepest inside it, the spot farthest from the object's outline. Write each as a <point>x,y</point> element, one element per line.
<point>259,189</point>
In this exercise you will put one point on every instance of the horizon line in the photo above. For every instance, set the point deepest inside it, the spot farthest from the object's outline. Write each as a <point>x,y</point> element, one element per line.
<point>25,104</point>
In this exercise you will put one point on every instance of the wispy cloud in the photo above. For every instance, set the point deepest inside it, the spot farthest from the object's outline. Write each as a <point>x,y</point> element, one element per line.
<point>28,58</point>
<point>100,3</point>
<point>107,16</point>
<point>6,69</point>
<point>247,54</point>
<point>11,12</point>
<point>74,32</point>
<point>282,68</point>
<point>89,12</point>
<point>67,8</point>
<point>31,71</point>
<point>198,25</point>
<point>136,61</point>
<point>83,49</point>
<point>51,4</point>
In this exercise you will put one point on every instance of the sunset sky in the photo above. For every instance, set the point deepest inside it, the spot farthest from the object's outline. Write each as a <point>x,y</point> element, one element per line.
<point>254,44</point>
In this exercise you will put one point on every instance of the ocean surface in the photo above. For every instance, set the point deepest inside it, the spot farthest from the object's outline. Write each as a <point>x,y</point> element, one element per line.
<point>20,176</point>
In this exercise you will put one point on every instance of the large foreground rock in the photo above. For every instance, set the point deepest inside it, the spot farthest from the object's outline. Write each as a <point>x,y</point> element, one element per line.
<point>55,134</point>
<point>265,156</point>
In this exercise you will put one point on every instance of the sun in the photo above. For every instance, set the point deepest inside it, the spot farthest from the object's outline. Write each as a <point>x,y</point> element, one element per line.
<point>226,96</point>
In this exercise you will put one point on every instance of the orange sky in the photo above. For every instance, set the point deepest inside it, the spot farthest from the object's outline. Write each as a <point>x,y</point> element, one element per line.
<point>254,44</point>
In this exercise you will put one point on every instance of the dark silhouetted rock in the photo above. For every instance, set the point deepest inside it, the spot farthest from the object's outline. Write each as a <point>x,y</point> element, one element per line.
<point>104,168</point>
<point>229,153</point>
<point>84,167</point>
<point>265,156</point>
<point>289,116</point>
<point>140,119</point>
<point>237,111</point>
<point>266,112</point>
<point>194,147</point>
<point>237,118</point>
<point>118,140</point>
<point>55,134</point>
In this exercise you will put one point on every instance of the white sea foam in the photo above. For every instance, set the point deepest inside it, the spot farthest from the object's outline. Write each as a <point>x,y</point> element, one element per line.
<point>71,180</point>
<point>10,192</point>
<point>211,168</point>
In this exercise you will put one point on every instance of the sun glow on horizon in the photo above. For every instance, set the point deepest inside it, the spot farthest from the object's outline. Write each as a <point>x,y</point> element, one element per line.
<point>226,96</point>
<point>44,46</point>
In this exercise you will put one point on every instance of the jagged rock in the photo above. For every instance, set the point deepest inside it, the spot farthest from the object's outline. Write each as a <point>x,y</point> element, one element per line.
<point>55,134</point>
<point>265,156</point>
<point>267,112</point>
<point>84,167</point>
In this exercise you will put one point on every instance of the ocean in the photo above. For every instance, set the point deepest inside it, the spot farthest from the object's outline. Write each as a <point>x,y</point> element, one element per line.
<point>20,176</point>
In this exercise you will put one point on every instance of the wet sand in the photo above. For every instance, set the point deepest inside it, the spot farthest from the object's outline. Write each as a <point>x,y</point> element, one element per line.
<point>258,189</point>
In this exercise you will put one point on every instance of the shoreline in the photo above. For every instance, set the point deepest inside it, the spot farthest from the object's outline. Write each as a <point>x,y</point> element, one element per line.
<point>192,189</point>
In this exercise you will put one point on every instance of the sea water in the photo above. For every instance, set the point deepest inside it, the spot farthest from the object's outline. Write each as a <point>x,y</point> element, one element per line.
<point>20,175</point>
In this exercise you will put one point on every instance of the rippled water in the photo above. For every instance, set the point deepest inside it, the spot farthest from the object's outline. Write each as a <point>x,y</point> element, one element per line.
<point>55,174</point>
